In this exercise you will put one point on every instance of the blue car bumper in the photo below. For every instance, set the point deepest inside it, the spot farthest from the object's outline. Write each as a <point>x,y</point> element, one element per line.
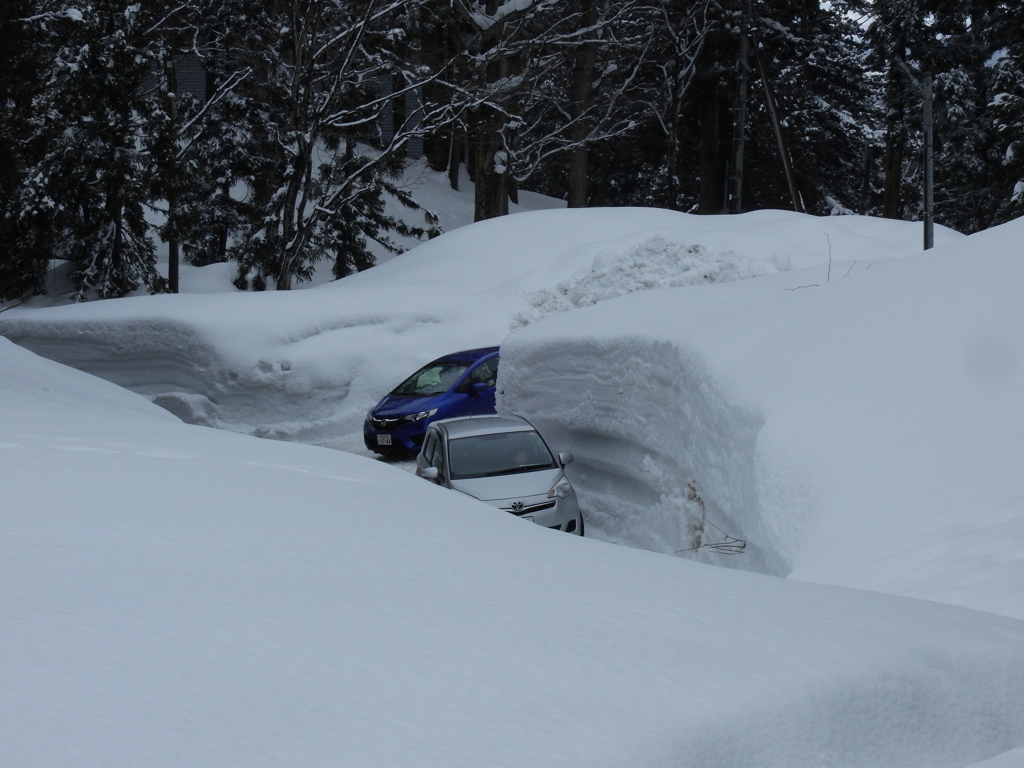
<point>407,438</point>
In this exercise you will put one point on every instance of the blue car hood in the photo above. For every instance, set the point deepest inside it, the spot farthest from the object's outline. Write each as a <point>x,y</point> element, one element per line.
<point>390,407</point>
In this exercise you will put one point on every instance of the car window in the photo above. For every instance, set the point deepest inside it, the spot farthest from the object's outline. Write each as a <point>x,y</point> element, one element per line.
<point>503,453</point>
<point>433,379</point>
<point>428,447</point>
<point>485,373</point>
<point>437,460</point>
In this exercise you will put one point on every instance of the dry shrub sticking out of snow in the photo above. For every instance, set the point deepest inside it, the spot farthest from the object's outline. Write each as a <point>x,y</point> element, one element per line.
<point>654,263</point>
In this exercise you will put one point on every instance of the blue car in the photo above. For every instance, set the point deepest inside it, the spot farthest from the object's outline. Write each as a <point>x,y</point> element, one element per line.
<point>459,384</point>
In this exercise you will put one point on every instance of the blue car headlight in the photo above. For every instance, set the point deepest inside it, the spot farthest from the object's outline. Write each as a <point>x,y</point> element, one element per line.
<point>421,415</point>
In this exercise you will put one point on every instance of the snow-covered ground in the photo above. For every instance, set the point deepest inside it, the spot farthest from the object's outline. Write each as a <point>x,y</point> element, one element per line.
<point>306,365</point>
<point>815,387</point>
<point>866,430</point>
<point>179,596</point>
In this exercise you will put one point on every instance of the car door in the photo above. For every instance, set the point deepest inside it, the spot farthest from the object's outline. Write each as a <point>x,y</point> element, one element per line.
<point>432,455</point>
<point>478,388</point>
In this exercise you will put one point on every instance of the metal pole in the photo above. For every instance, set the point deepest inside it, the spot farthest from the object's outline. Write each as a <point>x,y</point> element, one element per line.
<point>929,165</point>
<point>780,136</point>
<point>739,134</point>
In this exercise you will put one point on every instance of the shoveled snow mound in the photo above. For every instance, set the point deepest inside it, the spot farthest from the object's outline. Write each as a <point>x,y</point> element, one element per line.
<point>866,430</point>
<point>654,263</point>
<point>177,596</point>
<point>306,365</point>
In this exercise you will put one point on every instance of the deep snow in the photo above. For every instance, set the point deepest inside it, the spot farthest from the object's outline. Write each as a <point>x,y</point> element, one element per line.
<point>173,595</point>
<point>179,596</point>
<point>306,365</point>
<point>864,430</point>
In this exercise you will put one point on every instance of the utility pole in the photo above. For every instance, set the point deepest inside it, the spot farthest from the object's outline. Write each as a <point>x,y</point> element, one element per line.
<point>739,126</point>
<point>925,84</point>
<point>929,164</point>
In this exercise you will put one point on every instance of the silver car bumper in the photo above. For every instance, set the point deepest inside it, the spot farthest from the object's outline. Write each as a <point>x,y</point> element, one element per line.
<point>551,513</point>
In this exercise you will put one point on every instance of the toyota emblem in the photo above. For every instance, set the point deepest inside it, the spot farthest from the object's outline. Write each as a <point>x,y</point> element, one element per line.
<point>517,506</point>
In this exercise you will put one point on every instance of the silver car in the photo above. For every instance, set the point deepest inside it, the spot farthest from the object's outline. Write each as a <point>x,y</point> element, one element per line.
<point>503,461</point>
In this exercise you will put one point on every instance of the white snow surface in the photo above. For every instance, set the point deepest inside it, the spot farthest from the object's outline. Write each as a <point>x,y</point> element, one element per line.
<point>178,596</point>
<point>863,428</point>
<point>306,365</point>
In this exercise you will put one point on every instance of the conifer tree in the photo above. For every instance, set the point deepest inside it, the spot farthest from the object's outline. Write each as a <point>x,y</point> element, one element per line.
<point>96,169</point>
<point>25,232</point>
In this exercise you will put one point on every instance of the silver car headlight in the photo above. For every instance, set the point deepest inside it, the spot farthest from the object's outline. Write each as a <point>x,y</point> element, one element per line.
<point>422,415</point>
<point>561,489</point>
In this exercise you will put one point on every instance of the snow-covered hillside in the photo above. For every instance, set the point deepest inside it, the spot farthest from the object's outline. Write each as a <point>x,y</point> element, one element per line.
<point>178,596</point>
<point>864,428</point>
<point>306,365</point>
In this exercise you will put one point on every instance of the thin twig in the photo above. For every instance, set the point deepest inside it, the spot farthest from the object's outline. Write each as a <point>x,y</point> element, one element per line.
<point>829,241</point>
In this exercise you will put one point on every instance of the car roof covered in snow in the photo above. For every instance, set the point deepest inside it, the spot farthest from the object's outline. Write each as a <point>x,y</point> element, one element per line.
<point>468,426</point>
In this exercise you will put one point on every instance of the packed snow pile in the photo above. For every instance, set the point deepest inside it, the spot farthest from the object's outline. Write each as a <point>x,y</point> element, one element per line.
<point>306,365</point>
<point>179,596</point>
<point>654,263</point>
<point>860,425</point>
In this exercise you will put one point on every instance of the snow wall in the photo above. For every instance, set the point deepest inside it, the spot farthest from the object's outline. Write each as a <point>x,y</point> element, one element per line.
<point>305,365</point>
<point>863,428</point>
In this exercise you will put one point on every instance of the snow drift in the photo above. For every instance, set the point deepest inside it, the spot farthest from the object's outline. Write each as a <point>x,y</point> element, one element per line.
<point>860,426</point>
<point>307,365</point>
<point>178,596</point>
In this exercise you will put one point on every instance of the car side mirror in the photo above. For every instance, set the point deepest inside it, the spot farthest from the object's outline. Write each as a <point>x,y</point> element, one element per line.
<point>427,473</point>
<point>477,387</point>
<point>565,458</point>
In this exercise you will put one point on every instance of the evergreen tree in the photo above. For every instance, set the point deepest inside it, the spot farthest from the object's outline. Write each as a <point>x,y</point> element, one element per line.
<point>1008,110</point>
<point>814,61</point>
<point>978,113</point>
<point>26,243</point>
<point>96,168</point>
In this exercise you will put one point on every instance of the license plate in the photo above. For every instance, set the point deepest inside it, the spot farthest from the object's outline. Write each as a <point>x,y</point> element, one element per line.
<point>383,439</point>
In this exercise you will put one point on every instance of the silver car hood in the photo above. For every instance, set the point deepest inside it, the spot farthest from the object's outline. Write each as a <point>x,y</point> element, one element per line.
<point>515,486</point>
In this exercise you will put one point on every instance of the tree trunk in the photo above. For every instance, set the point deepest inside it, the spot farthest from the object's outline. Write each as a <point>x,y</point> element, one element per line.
<point>491,195</point>
<point>892,197</point>
<point>455,157</point>
<point>710,151</point>
<point>582,98</point>
<point>221,254</point>
<point>399,114</point>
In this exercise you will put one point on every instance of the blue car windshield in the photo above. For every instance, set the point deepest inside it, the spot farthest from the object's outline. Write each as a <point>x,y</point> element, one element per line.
<point>504,453</point>
<point>433,379</point>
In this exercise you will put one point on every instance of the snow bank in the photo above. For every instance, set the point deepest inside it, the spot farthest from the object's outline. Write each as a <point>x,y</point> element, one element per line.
<point>176,596</point>
<point>306,365</point>
<point>863,427</point>
<point>654,263</point>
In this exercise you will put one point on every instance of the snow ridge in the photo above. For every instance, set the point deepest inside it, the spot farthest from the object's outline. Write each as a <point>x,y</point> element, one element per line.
<point>654,263</point>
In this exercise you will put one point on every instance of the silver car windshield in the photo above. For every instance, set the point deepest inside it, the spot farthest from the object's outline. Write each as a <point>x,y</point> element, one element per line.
<point>433,379</point>
<point>503,453</point>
